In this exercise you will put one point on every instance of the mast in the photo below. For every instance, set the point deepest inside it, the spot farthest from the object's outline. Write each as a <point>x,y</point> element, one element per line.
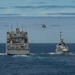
<point>17,24</point>
<point>22,27</point>
<point>60,35</point>
<point>8,29</point>
<point>11,28</point>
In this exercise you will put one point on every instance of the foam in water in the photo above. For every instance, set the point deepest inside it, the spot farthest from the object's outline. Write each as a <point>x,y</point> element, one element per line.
<point>32,54</point>
<point>52,53</point>
<point>71,53</point>
<point>3,54</point>
<point>20,56</point>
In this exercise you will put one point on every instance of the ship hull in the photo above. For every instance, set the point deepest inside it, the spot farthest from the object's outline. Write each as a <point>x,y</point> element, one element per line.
<point>17,52</point>
<point>66,52</point>
<point>17,42</point>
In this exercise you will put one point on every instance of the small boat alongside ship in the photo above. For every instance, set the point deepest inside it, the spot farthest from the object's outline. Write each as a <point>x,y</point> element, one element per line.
<point>17,42</point>
<point>61,47</point>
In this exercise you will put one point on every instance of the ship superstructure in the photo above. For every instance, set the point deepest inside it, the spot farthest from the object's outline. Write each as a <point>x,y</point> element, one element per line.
<point>61,47</point>
<point>17,42</point>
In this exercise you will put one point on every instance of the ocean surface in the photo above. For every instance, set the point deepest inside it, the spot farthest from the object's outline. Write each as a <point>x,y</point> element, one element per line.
<point>41,61</point>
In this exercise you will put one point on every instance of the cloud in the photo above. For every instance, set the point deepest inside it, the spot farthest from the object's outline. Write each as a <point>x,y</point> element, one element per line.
<point>39,2</point>
<point>9,14</point>
<point>60,13</point>
<point>2,7</point>
<point>3,25</point>
<point>45,6</point>
<point>64,12</point>
<point>73,1</point>
<point>55,25</point>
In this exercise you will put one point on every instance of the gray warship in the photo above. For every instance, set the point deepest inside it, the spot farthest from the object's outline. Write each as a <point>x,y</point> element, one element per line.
<point>61,47</point>
<point>17,42</point>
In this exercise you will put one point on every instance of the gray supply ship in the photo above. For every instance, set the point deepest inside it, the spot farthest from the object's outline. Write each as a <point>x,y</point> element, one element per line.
<point>17,42</point>
<point>61,48</point>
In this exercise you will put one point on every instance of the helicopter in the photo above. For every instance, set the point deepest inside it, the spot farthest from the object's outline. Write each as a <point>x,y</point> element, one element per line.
<point>43,26</point>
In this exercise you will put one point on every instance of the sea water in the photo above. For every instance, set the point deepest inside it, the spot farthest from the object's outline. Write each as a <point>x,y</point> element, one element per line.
<point>41,61</point>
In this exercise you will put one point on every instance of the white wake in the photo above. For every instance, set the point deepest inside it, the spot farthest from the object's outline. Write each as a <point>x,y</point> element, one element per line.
<point>3,54</point>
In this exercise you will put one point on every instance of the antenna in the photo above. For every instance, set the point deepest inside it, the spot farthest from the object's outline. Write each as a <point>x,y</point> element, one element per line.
<point>8,29</point>
<point>60,27</point>
<point>17,24</point>
<point>22,27</point>
<point>60,32</point>
<point>11,27</point>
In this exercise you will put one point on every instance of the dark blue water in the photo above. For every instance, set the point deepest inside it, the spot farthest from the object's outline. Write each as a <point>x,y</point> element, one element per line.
<point>39,62</point>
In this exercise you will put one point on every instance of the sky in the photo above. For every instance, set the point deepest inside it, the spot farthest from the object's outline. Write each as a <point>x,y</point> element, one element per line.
<point>56,14</point>
<point>37,7</point>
